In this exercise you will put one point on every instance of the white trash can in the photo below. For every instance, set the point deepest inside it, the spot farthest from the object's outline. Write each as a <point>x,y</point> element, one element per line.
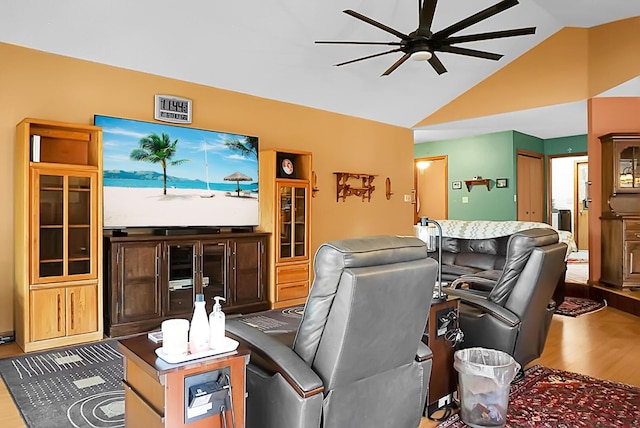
<point>484,376</point>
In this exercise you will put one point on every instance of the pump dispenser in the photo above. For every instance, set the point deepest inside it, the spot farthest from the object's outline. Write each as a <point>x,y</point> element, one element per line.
<point>199,330</point>
<point>216,324</point>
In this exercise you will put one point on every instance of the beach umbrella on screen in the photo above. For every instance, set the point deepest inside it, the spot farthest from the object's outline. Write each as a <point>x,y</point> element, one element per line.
<point>237,177</point>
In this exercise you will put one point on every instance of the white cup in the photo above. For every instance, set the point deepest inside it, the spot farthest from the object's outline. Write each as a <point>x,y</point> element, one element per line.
<point>175,337</point>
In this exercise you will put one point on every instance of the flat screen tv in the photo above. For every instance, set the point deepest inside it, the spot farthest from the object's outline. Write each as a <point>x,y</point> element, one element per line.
<point>168,176</point>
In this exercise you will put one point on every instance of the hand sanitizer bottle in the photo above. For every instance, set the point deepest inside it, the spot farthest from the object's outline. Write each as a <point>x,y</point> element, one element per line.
<point>199,330</point>
<point>216,324</point>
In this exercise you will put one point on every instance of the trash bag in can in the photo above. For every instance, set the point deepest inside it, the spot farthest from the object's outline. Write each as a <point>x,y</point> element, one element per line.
<point>484,376</point>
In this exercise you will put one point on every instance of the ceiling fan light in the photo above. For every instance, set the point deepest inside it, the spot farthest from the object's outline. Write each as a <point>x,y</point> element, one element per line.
<point>421,55</point>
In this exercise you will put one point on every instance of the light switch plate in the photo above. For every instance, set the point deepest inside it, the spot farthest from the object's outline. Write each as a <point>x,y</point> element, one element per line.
<point>465,199</point>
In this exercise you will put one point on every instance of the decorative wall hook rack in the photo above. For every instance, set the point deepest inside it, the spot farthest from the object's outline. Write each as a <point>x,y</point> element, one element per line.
<point>344,189</point>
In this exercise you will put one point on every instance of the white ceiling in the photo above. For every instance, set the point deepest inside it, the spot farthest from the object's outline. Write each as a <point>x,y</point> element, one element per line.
<point>266,48</point>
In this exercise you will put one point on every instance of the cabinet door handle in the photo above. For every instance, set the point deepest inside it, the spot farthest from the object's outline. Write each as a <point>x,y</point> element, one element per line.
<point>59,313</point>
<point>157,266</point>
<point>637,235</point>
<point>73,301</point>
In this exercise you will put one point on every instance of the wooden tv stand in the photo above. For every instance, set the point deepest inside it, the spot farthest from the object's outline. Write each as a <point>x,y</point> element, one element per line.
<point>150,278</point>
<point>155,390</point>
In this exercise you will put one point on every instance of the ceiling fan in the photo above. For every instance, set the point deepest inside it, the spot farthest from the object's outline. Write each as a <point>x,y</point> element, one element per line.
<point>422,44</point>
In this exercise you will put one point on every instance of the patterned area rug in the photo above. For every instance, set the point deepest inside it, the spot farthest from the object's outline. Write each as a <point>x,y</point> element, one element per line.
<point>548,398</point>
<point>576,306</point>
<point>68,387</point>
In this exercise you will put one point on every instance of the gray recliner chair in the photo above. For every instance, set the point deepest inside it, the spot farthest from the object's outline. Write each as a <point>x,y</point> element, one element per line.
<point>357,359</point>
<point>513,314</point>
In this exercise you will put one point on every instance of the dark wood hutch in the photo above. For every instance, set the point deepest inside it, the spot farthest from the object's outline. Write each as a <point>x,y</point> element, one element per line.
<point>620,209</point>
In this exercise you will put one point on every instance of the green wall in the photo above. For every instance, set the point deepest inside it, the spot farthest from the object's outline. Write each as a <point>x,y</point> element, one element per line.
<point>491,156</point>
<point>574,145</point>
<point>488,156</point>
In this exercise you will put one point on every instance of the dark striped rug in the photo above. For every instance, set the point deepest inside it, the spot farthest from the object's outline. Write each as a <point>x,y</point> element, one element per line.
<point>576,306</point>
<point>68,387</point>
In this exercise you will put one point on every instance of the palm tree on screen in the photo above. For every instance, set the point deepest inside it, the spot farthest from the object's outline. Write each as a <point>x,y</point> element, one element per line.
<point>157,149</point>
<point>246,146</point>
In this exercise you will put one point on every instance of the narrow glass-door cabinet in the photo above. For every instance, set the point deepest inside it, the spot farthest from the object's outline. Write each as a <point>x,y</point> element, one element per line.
<point>287,175</point>
<point>58,223</point>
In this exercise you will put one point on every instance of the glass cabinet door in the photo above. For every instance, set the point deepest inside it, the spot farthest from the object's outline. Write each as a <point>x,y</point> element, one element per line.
<point>214,272</point>
<point>292,208</point>
<point>64,225</point>
<point>79,239</point>
<point>300,222</point>
<point>628,169</point>
<point>181,266</point>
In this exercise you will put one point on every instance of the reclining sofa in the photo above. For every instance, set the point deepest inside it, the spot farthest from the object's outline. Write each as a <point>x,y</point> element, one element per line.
<point>478,248</point>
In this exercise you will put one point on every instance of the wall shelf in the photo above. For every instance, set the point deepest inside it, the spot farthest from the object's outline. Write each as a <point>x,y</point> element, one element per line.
<point>478,182</point>
<point>344,189</point>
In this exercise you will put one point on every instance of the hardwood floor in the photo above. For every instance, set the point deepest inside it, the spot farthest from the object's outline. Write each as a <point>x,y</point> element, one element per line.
<point>605,344</point>
<point>9,416</point>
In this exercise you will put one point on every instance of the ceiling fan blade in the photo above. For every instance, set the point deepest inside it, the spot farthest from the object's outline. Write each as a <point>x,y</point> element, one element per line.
<point>436,64</point>
<point>397,64</point>
<point>367,57</point>
<point>475,18</point>
<point>376,24</point>
<point>491,35</point>
<point>358,43</point>
<point>426,14</point>
<point>470,52</point>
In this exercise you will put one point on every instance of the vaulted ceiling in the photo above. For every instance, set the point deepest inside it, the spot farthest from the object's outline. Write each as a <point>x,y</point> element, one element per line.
<point>266,48</point>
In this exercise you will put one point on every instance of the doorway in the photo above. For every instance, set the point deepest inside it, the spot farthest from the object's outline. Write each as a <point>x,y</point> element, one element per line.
<point>569,208</point>
<point>430,183</point>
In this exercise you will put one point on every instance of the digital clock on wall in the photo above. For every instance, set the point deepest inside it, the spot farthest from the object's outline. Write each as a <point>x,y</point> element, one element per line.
<point>172,109</point>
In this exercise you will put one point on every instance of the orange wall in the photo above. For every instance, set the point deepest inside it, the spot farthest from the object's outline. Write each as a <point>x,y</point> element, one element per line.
<point>613,54</point>
<point>571,65</point>
<point>605,115</point>
<point>46,86</point>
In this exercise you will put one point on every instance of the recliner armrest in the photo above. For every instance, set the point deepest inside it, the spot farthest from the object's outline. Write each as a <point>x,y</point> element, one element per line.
<point>490,308</point>
<point>424,353</point>
<point>486,283</point>
<point>274,356</point>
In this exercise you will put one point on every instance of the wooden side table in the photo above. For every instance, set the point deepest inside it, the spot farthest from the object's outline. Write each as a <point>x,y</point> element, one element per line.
<point>444,379</point>
<point>155,390</point>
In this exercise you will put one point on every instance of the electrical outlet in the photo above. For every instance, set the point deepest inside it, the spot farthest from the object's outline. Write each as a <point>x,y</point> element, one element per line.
<point>407,198</point>
<point>444,401</point>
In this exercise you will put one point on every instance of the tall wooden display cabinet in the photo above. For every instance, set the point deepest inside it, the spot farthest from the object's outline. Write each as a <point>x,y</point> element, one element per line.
<point>285,193</point>
<point>620,210</point>
<point>58,226</point>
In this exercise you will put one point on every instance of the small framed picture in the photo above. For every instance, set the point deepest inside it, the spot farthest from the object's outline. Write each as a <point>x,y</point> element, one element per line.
<point>286,166</point>
<point>456,185</point>
<point>502,182</point>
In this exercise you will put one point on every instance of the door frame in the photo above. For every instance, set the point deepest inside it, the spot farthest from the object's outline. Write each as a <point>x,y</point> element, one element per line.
<point>576,201</point>
<point>416,174</point>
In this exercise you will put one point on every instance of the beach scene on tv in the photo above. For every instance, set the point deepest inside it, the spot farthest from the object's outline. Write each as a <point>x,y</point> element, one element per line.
<point>158,175</point>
